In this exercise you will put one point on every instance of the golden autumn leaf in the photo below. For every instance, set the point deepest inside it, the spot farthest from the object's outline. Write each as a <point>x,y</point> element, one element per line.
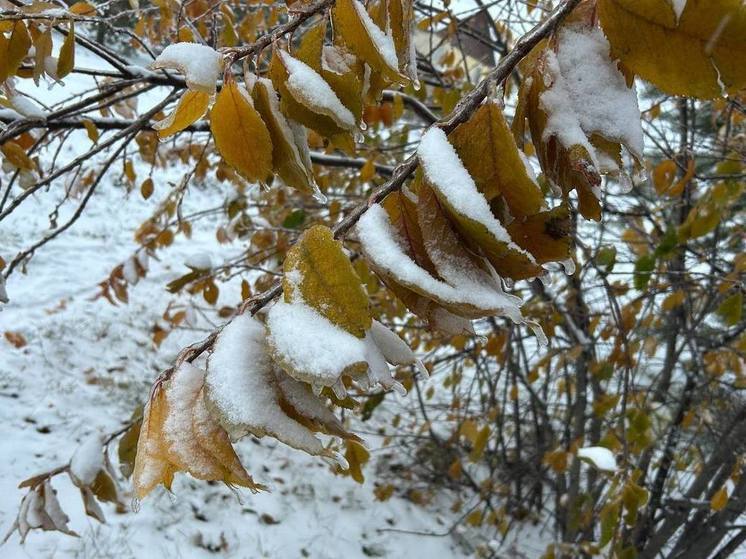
<point>719,500</point>
<point>311,45</point>
<point>91,130</point>
<point>16,156</point>
<point>42,50</point>
<point>318,272</point>
<point>363,37</point>
<point>488,151</point>
<point>290,154</point>
<point>66,61</point>
<point>179,434</point>
<point>82,9</point>
<point>357,456</point>
<point>697,53</point>
<point>190,108</point>
<point>241,137</point>
<point>546,235</point>
<point>13,49</point>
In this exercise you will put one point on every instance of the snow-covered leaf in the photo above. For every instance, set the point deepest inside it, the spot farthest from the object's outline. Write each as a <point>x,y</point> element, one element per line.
<point>468,210</point>
<point>599,457</point>
<point>363,37</point>
<point>488,151</point>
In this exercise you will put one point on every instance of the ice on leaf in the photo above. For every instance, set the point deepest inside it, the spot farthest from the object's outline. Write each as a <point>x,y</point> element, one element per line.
<point>87,461</point>
<point>241,387</point>
<point>319,274</point>
<point>468,209</point>
<point>200,64</point>
<point>310,89</point>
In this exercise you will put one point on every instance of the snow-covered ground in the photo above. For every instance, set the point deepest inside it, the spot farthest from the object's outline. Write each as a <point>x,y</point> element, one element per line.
<point>87,364</point>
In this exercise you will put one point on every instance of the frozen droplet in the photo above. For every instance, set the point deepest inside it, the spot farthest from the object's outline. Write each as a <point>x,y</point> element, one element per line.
<point>569,266</point>
<point>421,369</point>
<point>363,126</point>
<point>398,387</point>
<point>340,460</point>
<point>359,138</point>
<point>538,332</point>
<point>135,504</point>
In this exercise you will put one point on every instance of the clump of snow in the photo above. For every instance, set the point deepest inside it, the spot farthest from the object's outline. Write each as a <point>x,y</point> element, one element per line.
<point>599,456</point>
<point>310,89</point>
<point>589,94</point>
<point>378,370</point>
<point>200,64</point>
<point>300,396</point>
<point>384,42</point>
<point>393,348</point>
<point>241,386</point>
<point>88,460</point>
<point>383,247</point>
<point>199,261</point>
<point>450,179</point>
<point>311,347</point>
<point>27,107</point>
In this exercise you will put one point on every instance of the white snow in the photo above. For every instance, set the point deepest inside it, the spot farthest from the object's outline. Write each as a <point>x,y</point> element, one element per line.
<point>200,64</point>
<point>383,42</point>
<point>599,456</point>
<point>310,89</point>
<point>27,107</point>
<point>589,94</point>
<point>449,177</point>
<point>88,460</point>
<point>199,261</point>
<point>381,245</point>
<point>678,8</point>
<point>311,347</point>
<point>240,385</point>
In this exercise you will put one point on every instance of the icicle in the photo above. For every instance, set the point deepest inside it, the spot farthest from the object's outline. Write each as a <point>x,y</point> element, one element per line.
<point>339,390</point>
<point>569,266</point>
<point>363,126</point>
<point>420,367</point>
<point>538,332</point>
<point>359,137</point>
<point>340,460</point>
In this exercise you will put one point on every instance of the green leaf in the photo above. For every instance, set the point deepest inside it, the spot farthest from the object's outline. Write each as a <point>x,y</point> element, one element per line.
<point>668,244</point>
<point>606,258</point>
<point>609,522</point>
<point>294,219</point>
<point>643,270</point>
<point>731,309</point>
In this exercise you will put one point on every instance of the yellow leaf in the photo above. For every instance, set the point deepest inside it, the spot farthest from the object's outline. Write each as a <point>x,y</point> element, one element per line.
<point>487,149</point>
<point>673,300</point>
<point>319,273</point>
<point>91,130</point>
<point>664,175</point>
<point>151,464</point>
<point>290,155</point>
<point>367,171</point>
<point>365,39</point>
<point>356,455</point>
<point>311,45</point>
<point>146,188</point>
<point>240,134</point>
<point>401,20</point>
<point>16,156</point>
<point>691,55</point>
<point>42,50</point>
<point>13,49</point>
<point>719,500</point>
<point>480,443</point>
<point>82,9</point>
<point>190,108</point>
<point>546,235</point>
<point>66,61</point>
